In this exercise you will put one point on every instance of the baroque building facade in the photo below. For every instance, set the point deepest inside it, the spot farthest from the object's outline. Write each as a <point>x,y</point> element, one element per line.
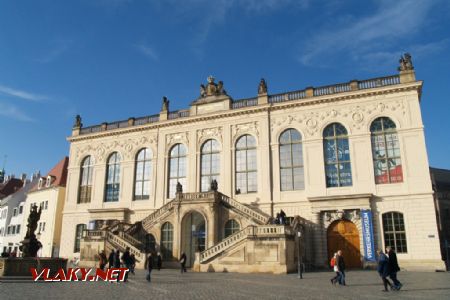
<point>347,162</point>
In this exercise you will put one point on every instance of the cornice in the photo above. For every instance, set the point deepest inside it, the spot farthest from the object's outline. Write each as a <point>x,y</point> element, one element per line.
<point>316,100</point>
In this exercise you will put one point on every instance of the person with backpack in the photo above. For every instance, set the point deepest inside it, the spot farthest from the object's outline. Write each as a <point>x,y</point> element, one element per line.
<point>102,260</point>
<point>335,269</point>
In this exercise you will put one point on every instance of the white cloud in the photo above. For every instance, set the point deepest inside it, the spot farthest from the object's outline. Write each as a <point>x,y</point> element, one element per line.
<point>372,36</point>
<point>147,50</point>
<point>13,112</point>
<point>21,94</point>
<point>58,47</point>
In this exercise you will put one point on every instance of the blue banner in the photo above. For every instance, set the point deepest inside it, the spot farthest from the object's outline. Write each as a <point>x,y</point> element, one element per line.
<point>367,230</point>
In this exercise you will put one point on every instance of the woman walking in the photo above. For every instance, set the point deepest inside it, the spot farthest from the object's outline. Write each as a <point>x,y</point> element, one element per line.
<point>383,270</point>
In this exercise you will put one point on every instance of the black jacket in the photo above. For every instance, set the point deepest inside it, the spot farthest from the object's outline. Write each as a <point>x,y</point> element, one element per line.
<point>392,262</point>
<point>149,263</point>
<point>126,257</point>
<point>340,263</point>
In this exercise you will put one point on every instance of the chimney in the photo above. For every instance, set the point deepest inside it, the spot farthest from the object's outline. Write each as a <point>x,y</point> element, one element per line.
<point>23,176</point>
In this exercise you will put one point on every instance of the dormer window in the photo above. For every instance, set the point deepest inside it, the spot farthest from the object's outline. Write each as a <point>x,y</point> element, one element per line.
<point>41,182</point>
<point>49,181</point>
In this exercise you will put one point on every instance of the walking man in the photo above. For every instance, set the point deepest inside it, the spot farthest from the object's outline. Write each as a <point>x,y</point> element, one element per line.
<point>111,259</point>
<point>102,258</point>
<point>393,267</point>
<point>149,267</point>
<point>159,261</point>
<point>341,267</point>
<point>383,269</point>
<point>127,261</point>
<point>183,262</point>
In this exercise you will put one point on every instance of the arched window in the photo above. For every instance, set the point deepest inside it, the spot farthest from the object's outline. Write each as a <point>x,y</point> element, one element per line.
<point>394,231</point>
<point>113,178</point>
<point>167,240</point>
<point>78,235</point>
<point>143,173</point>
<point>386,151</point>
<point>338,169</point>
<point>150,243</point>
<point>177,168</point>
<point>246,165</point>
<point>210,164</point>
<point>231,227</point>
<point>291,161</point>
<point>85,189</point>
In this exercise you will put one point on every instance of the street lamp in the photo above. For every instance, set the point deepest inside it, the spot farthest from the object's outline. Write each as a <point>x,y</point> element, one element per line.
<point>299,258</point>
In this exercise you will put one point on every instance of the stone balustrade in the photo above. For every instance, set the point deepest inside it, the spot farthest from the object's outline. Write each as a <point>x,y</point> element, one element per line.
<point>255,215</point>
<point>243,103</point>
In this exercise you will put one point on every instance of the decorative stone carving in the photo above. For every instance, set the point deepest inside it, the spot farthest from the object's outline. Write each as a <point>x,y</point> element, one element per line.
<point>262,88</point>
<point>126,147</point>
<point>207,133</point>
<point>77,124</point>
<point>180,137</point>
<point>406,63</point>
<point>212,88</point>
<point>165,104</point>
<point>250,128</point>
<point>352,215</point>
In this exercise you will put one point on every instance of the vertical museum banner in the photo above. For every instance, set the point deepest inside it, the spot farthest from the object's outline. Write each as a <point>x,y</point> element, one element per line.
<point>367,230</point>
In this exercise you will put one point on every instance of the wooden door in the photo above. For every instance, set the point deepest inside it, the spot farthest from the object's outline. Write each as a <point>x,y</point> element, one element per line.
<point>343,235</point>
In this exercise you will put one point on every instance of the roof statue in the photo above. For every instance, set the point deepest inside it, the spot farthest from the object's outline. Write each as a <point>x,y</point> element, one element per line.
<point>212,88</point>
<point>405,63</point>
<point>165,104</point>
<point>262,88</point>
<point>77,123</point>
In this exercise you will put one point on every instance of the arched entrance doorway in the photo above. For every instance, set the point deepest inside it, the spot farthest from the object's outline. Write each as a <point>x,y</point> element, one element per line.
<point>193,235</point>
<point>343,235</point>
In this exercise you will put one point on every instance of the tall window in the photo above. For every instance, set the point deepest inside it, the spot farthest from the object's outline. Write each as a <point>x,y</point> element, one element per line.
<point>291,161</point>
<point>386,151</point>
<point>394,231</point>
<point>167,240</point>
<point>177,168</point>
<point>246,181</point>
<point>142,183</point>
<point>85,189</point>
<point>231,227</point>
<point>337,156</point>
<point>210,164</point>
<point>113,178</point>
<point>78,235</point>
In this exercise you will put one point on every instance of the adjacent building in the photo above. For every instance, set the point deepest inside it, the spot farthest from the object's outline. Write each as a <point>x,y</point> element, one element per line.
<point>49,193</point>
<point>347,161</point>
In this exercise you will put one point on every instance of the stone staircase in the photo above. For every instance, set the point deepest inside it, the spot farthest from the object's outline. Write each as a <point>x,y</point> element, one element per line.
<point>252,231</point>
<point>258,217</point>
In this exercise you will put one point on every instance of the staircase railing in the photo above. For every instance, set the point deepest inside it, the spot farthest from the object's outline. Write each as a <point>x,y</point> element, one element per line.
<point>122,244</point>
<point>250,231</point>
<point>260,218</point>
<point>148,221</point>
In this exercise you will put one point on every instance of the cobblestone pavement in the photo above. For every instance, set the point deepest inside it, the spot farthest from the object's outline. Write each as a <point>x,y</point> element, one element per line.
<point>169,284</point>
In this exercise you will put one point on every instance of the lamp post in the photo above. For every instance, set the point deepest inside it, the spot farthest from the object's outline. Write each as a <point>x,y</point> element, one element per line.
<point>299,258</point>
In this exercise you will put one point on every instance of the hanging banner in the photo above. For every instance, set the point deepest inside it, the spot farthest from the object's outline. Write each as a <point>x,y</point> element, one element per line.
<point>367,230</point>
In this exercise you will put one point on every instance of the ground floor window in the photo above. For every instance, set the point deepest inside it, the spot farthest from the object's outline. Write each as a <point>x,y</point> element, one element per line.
<point>231,227</point>
<point>394,231</point>
<point>167,240</point>
<point>78,236</point>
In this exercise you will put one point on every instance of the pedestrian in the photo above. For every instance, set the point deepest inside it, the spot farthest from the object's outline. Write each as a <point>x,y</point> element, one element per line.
<point>149,267</point>
<point>183,262</point>
<point>393,268</point>
<point>282,217</point>
<point>159,261</point>
<point>111,259</point>
<point>102,260</point>
<point>335,269</point>
<point>116,260</point>
<point>127,261</point>
<point>133,263</point>
<point>340,267</point>
<point>383,269</point>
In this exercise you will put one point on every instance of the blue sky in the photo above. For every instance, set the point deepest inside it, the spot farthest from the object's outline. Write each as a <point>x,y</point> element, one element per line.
<point>112,59</point>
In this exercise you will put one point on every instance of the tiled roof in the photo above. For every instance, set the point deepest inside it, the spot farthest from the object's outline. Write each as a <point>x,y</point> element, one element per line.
<point>58,174</point>
<point>11,186</point>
